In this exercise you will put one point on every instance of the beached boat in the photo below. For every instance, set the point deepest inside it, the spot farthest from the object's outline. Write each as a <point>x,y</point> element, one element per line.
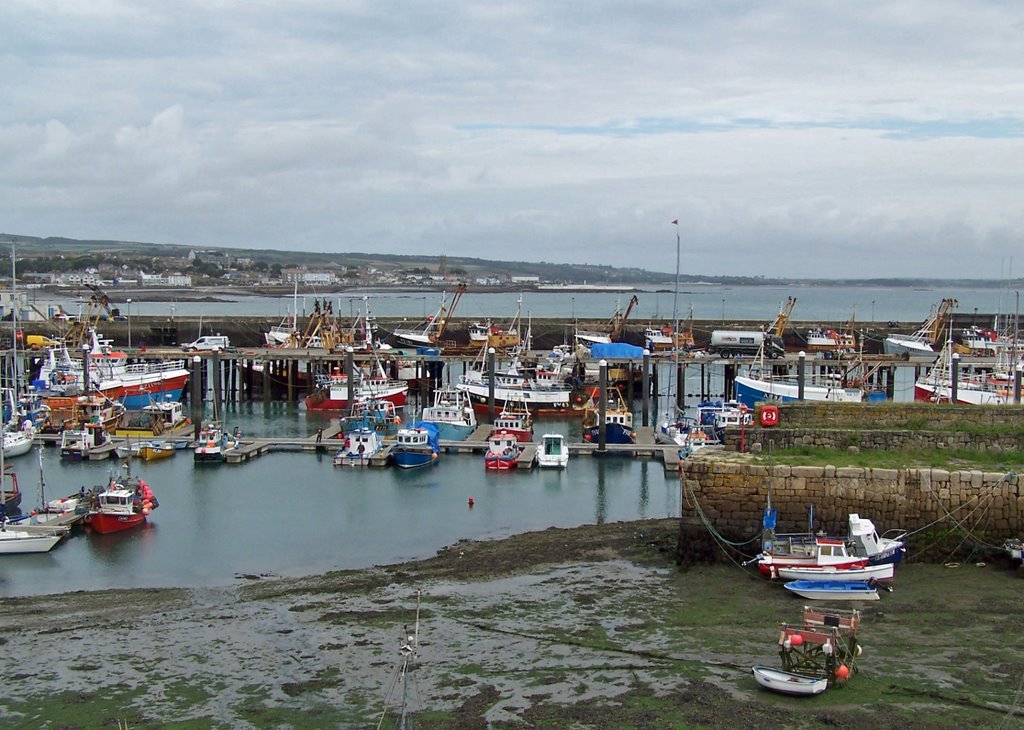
<point>865,542</point>
<point>815,590</point>
<point>796,552</point>
<point>416,446</point>
<point>124,504</point>
<point>361,444</point>
<point>452,414</point>
<point>789,683</point>
<point>503,452</point>
<point>553,452</point>
<point>830,574</point>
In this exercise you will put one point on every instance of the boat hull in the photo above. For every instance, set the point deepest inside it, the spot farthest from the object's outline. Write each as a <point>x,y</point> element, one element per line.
<point>841,575</point>
<point>788,683</point>
<point>751,391</point>
<point>814,590</point>
<point>18,543</point>
<point>614,433</point>
<point>413,459</point>
<point>104,523</point>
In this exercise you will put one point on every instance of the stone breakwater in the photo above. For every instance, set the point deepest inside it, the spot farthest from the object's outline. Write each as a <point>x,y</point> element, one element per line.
<point>732,497</point>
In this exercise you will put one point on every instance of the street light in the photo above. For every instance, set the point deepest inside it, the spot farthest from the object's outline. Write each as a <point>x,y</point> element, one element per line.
<point>872,311</point>
<point>129,323</point>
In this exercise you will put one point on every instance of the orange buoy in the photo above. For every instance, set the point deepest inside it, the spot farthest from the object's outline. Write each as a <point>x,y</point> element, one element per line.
<point>797,639</point>
<point>843,671</point>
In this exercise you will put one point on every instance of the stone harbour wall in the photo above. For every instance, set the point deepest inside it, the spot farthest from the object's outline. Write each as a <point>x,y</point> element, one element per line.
<point>733,496</point>
<point>911,416</point>
<point>877,439</point>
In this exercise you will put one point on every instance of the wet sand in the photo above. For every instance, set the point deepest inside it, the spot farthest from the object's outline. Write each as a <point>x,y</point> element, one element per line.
<point>593,627</point>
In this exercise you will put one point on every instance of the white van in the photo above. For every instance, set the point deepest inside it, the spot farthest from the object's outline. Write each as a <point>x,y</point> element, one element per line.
<point>208,343</point>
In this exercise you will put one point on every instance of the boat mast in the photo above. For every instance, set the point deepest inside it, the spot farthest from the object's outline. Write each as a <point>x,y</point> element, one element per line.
<point>675,326</point>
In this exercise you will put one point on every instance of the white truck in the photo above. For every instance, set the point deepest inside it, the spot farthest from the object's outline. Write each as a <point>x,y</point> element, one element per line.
<point>729,343</point>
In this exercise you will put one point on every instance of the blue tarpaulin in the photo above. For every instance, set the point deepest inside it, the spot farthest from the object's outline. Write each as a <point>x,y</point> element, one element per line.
<point>617,350</point>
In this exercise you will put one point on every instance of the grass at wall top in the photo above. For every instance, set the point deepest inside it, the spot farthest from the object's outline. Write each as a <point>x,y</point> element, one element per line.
<point>951,459</point>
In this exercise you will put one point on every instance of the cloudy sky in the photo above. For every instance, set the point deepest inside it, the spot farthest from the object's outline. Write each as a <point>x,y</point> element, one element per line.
<point>803,138</point>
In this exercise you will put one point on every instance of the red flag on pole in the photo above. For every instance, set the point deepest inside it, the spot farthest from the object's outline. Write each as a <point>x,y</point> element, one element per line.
<point>675,222</point>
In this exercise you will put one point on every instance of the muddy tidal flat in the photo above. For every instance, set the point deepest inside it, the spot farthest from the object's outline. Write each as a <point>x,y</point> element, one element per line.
<point>592,627</point>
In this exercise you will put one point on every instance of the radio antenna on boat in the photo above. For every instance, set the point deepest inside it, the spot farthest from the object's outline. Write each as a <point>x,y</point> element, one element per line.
<point>409,652</point>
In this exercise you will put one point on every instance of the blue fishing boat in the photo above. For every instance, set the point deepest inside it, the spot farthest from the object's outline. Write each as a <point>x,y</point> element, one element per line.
<point>416,446</point>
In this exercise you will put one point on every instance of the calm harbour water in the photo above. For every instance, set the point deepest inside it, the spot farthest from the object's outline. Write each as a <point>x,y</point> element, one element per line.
<point>295,513</point>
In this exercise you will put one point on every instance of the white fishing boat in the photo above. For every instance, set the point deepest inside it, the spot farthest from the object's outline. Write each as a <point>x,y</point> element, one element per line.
<point>553,452</point>
<point>920,344</point>
<point>452,413</point>
<point>431,331</point>
<point>361,444</point>
<point>789,683</point>
<point>830,574</point>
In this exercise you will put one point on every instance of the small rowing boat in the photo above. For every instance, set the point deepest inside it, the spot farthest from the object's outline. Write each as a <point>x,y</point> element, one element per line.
<point>851,590</point>
<point>788,683</point>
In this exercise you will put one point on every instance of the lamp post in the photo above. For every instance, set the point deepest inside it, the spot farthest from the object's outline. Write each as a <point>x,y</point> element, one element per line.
<point>872,311</point>
<point>723,310</point>
<point>129,323</point>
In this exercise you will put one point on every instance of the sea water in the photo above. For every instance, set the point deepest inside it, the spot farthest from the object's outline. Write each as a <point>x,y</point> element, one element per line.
<point>294,513</point>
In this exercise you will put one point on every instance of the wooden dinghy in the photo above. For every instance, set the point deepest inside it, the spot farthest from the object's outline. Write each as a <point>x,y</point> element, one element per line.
<point>789,683</point>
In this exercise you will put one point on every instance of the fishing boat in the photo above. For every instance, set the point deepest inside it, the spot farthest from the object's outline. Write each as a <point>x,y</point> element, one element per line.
<point>124,504</point>
<point>361,444</point>
<point>213,444</point>
<point>754,389</point>
<point>76,445</point>
<point>431,331</point>
<point>798,553</point>
<point>332,392</point>
<point>553,452</point>
<point>829,574</point>
<point>815,590</point>
<point>134,385</point>
<point>152,450</point>
<point>514,419</point>
<point>380,415</point>
<point>920,344</point>
<point>158,419</point>
<point>865,542</point>
<point>936,385</point>
<point>618,419</point>
<point>542,390</point>
<point>789,683</point>
<point>416,446</point>
<point>452,414</point>
<point>503,452</point>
